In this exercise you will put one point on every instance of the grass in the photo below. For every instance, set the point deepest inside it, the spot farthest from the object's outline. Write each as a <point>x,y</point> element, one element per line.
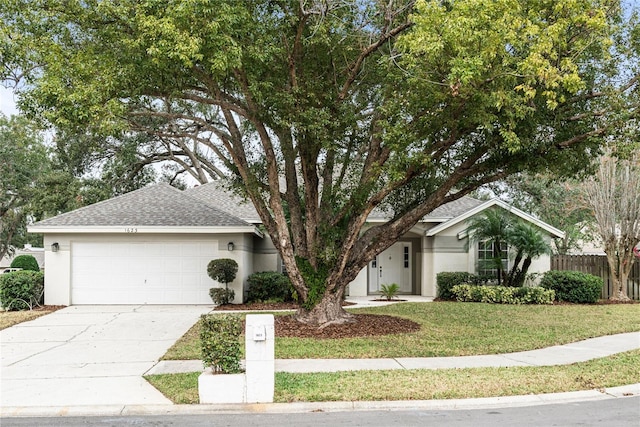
<point>10,318</point>
<point>179,388</point>
<point>616,370</point>
<point>457,329</point>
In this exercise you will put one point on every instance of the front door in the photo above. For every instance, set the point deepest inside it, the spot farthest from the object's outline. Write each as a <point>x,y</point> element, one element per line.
<point>392,266</point>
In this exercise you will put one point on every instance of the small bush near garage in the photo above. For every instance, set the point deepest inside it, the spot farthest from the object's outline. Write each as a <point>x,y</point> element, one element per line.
<point>25,262</point>
<point>269,286</point>
<point>223,270</point>
<point>222,296</point>
<point>573,286</point>
<point>503,294</point>
<point>447,280</point>
<point>220,342</point>
<point>21,290</point>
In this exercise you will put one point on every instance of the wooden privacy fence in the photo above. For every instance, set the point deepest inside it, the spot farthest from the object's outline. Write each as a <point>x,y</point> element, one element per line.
<point>598,266</point>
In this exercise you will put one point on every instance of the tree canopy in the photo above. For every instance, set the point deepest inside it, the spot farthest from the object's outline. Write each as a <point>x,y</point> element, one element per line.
<point>322,111</point>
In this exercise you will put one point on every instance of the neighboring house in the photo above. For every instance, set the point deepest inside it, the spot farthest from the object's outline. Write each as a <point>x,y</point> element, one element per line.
<point>37,253</point>
<point>152,246</point>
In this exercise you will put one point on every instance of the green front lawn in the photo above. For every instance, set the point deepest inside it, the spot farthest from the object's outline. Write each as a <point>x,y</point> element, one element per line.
<point>616,370</point>
<point>457,329</point>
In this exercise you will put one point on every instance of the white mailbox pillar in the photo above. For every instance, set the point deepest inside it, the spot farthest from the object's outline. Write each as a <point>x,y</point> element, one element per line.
<point>259,358</point>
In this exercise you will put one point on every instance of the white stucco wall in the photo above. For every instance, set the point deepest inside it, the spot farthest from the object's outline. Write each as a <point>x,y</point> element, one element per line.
<point>358,287</point>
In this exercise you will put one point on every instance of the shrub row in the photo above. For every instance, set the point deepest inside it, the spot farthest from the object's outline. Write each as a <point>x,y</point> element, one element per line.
<point>220,342</point>
<point>503,294</point>
<point>573,286</point>
<point>21,290</point>
<point>269,286</point>
<point>447,280</point>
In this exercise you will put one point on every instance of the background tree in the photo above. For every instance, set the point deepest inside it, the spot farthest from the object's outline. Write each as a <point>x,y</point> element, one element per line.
<point>614,195</point>
<point>322,111</point>
<point>23,158</point>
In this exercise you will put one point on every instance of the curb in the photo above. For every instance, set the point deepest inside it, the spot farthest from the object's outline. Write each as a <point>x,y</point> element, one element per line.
<point>621,392</point>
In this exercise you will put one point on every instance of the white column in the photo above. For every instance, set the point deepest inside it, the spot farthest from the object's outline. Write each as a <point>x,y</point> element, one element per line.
<point>260,358</point>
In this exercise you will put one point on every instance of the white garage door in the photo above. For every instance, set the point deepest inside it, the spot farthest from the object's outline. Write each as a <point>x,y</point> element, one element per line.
<point>141,272</point>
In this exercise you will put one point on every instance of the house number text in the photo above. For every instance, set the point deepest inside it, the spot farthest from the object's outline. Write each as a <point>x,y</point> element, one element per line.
<point>130,230</point>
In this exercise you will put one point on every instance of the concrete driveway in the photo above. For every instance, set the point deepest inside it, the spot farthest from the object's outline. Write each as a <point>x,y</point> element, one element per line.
<point>89,355</point>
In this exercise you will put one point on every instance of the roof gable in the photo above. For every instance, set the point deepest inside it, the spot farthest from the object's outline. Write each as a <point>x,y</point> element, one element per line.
<point>488,204</point>
<point>158,205</point>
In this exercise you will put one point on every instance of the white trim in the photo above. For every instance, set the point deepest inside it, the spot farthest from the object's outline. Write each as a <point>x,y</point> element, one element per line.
<point>133,229</point>
<point>494,202</point>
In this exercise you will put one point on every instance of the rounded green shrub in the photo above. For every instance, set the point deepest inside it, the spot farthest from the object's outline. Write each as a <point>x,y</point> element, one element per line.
<point>21,290</point>
<point>222,296</point>
<point>25,262</point>
<point>223,270</point>
<point>573,286</point>
<point>447,280</point>
<point>269,286</point>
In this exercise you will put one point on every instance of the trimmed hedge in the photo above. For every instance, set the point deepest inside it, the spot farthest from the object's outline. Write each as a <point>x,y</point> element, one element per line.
<point>573,286</point>
<point>447,280</point>
<point>503,294</point>
<point>21,290</point>
<point>25,262</point>
<point>220,342</point>
<point>222,296</point>
<point>269,286</point>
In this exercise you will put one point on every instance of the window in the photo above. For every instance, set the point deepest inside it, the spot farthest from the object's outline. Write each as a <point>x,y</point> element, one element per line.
<point>406,256</point>
<point>486,264</point>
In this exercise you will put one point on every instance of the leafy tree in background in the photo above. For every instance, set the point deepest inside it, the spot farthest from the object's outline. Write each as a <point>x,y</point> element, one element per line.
<point>23,158</point>
<point>614,195</point>
<point>401,105</point>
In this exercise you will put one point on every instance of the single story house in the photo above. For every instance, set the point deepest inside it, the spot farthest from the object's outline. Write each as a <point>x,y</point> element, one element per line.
<point>152,246</point>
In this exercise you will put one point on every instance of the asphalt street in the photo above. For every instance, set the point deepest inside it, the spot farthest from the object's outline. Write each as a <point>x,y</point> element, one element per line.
<point>621,412</point>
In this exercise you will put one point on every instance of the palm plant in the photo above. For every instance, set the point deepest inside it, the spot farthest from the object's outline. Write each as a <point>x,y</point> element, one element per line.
<point>528,243</point>
<point>499,229</point>
<point>491,228</point>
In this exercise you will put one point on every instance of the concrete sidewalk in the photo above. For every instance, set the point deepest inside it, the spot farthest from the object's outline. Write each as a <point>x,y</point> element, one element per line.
<point>581,351</point>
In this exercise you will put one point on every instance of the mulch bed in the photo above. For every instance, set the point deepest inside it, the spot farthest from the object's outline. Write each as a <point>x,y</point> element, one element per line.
<point>268,306</point>
<point>365,325</point>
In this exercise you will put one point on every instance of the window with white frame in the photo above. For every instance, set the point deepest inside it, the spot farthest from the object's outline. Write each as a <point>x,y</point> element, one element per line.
<point>486,264</point>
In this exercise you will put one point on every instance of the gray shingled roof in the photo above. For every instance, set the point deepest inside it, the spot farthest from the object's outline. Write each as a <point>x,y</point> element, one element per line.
<point>208,205</point>
<point>444,212</point>
<point>156,205</point>
<point>216,195</point>
<point>455,208</point>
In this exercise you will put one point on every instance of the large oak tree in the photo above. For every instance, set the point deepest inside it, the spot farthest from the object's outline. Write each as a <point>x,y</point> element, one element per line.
<point>321,111</point>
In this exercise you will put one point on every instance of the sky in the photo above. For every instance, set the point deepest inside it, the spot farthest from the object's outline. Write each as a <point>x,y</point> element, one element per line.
<point>7,102</point>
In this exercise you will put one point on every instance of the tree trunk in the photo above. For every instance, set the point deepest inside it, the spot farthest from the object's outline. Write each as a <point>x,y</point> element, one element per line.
<point>618,274</point>
<point>327,312</point>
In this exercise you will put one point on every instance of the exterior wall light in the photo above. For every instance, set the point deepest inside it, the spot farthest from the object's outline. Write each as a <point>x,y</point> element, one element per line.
<point>230,246</point>
<point>55,247</point>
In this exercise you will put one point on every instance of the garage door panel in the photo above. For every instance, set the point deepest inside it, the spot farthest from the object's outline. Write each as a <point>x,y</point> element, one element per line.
<point>141,272</point>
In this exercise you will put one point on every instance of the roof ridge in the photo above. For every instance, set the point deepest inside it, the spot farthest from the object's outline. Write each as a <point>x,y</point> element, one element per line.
<point>210,206</point>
